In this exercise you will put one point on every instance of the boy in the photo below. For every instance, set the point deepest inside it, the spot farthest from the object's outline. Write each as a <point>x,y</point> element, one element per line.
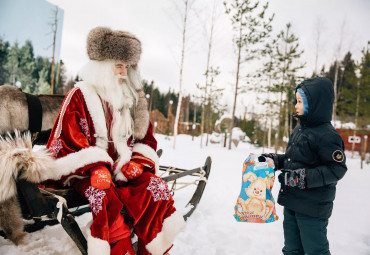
<point>311,167</point>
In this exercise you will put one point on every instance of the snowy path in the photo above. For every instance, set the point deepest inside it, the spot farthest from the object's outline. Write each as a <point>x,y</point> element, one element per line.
<point>212,229</point>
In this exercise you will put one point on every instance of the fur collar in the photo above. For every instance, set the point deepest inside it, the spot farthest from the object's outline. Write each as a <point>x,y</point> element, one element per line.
<point>140,118</point>
<point>140,112</point>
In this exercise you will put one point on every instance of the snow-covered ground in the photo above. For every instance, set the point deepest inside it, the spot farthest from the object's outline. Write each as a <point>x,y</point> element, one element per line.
<point>212,229</point>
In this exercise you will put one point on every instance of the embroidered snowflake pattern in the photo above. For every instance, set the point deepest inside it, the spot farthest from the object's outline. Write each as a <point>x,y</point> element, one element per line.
<point>159,189</point>
<point>55,147</point>
<point>95,197</point>
<point>135,171</point>
<point>84,127</point>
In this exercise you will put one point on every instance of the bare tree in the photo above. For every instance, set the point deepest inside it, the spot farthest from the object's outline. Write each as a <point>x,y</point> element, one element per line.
<point>209,33</point>
<point>54,28</point>
<point>337,65</point>
<point>187,7</point>
<point>251,28</point>
<point>317,36</point>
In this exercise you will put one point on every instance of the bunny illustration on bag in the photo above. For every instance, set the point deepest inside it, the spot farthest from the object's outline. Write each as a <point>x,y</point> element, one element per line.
<point>255,202</point>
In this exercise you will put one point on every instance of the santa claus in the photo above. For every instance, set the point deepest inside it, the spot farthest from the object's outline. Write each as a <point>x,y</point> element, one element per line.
<point>105,149</point>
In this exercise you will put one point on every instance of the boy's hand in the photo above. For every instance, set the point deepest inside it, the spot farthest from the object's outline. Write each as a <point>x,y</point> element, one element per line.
<point>101,178</point>
<point>132,170</point>
<point>272,156</point>
<point>293,178</point>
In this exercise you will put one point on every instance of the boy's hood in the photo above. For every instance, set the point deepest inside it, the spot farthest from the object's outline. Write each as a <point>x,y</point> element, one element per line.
<point>320,97</point>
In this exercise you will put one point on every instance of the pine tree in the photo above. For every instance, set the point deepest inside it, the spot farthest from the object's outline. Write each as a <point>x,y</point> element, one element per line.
<point>27,67</point>
<point>12,64</point>
<point>268,75</point>
<point>251,28</point>
<point>288,53</point>
<point>364,88</point>
<point>61,77</point>
<point>346,87</point>
<point>42,86</point>
<point>4,51</point>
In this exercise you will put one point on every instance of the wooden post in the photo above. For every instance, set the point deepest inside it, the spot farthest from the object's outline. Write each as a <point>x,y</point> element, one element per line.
<point>364,148</point>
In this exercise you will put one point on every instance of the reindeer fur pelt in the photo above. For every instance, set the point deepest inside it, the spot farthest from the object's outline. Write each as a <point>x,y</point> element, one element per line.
<point>14,109</point>
<point>11,221</point>
<point>16,154</point>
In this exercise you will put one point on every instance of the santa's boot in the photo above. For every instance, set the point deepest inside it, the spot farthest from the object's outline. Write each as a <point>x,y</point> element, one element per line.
<point>123,247</point>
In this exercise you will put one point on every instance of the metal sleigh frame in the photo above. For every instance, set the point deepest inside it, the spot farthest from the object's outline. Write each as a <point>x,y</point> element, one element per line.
<point>50,207</point>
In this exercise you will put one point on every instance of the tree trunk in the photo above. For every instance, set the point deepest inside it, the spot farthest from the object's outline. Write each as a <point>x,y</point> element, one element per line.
<point>236,84</point>
<point>279,120</point>
<point>178,109</point>
<point>264,135</point>
<point>356,116</point>
<point>55,26</point>
<point>334,116</point>
<point>269,135</point>
<point>286,126</point>
<point>207,77</point>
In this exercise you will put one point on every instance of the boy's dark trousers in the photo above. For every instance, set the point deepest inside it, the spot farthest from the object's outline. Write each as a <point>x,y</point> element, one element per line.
<point>304,234</point>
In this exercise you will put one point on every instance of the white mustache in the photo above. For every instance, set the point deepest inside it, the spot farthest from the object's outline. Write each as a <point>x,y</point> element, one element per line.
<point>118,76</point>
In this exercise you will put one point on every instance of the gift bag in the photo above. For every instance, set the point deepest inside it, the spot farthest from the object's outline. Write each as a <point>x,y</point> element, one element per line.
<point>255,202</point>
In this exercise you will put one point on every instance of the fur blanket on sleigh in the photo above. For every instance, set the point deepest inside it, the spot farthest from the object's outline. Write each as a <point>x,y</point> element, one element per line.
<point>18,161</point>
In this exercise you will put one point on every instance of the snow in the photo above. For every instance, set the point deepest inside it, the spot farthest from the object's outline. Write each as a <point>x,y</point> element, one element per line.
<point>212,229</point>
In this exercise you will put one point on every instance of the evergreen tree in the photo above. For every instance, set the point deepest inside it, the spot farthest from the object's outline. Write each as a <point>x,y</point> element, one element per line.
<point>12,64</point>
<point>27,67</point>
<point>288,54</point>
<point>364,89</point>
<point>60,77</point>
<point>346,86</point>
<point>42,86</point>
<point>4,51</point>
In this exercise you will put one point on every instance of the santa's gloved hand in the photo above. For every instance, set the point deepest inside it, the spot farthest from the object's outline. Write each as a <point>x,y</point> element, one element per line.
<point>293,178</point>
<point>274,157</point>
<point>101,177</point>
<point>132,170</point>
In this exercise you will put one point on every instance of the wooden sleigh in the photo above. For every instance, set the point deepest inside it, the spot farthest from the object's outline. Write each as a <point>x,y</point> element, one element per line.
<point>46,207</point>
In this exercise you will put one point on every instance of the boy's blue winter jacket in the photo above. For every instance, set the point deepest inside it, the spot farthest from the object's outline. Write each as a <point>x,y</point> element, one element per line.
<point>316,146</point>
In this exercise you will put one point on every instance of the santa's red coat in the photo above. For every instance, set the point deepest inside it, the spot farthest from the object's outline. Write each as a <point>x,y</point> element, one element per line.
<point>80,141</point>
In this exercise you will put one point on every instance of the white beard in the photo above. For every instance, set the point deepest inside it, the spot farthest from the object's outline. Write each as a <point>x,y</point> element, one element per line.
<point>121,96</point>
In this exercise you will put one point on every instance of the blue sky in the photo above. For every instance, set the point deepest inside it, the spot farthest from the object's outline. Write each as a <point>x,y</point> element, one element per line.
<point>22,20</point>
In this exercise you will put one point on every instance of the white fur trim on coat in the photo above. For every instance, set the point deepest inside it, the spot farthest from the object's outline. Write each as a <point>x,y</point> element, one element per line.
<point>96,246</point>
<point>73,161</point>
<point>148,152</point>
<point>125,156</point>
<point>96,112</point>
<point>171,227</point>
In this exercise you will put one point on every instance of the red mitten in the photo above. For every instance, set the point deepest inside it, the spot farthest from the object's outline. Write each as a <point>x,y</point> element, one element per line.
<point>101,178</point>
<point>132,170</point>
